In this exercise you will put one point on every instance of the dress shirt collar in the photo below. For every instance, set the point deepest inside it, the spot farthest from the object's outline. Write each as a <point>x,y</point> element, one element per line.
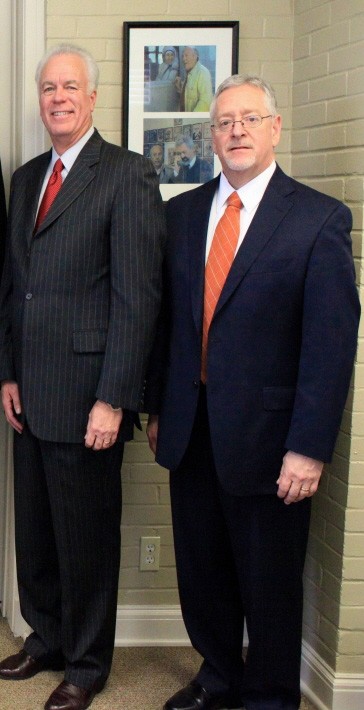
<point>70,155</point>
<point>250,194</point>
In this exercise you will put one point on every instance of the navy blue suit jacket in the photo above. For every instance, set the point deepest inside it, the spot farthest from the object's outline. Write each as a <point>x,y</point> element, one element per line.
<point>282,340</point>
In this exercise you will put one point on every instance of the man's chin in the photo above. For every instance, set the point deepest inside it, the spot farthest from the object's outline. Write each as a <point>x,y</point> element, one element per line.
<point>240,164</point>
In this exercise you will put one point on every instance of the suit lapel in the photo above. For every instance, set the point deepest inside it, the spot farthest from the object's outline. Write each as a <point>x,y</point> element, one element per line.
<point>77,180</point>
<point>198,224</point>
<point>32,191</point>
<point>273,207</point>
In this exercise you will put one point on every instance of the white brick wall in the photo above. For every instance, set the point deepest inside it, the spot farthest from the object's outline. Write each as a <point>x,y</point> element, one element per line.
<point>327,152</point>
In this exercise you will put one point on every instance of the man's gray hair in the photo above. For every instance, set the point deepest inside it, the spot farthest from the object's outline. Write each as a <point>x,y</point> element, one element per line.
<point>90,63</point>
<point>194,49</point>
<point>185,139</point>
<point>242,80</point>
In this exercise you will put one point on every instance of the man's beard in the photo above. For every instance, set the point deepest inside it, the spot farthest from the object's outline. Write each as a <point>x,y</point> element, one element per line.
<point>184,161</point>
<point>240,163</point>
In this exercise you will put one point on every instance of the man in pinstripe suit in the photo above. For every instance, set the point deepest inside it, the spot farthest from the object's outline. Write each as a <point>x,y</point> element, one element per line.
<point>79,300</point>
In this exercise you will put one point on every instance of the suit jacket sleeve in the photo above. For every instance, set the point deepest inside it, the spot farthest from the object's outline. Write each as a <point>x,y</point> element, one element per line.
<point>329,337</point>
<point>136,247</point>
<point>158,360</point>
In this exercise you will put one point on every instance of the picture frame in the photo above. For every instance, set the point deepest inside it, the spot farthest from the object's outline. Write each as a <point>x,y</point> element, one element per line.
<point>162,99</point>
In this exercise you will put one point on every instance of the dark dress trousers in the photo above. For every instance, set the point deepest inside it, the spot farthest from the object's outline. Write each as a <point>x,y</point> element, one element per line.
<point>79,301</point>
<point>280,355</point>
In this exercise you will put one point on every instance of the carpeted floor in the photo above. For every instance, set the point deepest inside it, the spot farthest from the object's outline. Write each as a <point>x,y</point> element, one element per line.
<point>141,678</point>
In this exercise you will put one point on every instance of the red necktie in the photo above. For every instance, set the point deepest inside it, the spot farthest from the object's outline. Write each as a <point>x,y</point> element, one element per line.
<point>218,265</point>
<point>52,189</point>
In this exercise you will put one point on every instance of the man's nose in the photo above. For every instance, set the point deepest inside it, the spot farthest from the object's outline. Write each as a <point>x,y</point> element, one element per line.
<point>59,94</point>
<point>238,128</point>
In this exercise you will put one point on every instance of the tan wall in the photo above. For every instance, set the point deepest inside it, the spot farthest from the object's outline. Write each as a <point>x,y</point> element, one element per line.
<point>314,46</point>
<point>328,153</point>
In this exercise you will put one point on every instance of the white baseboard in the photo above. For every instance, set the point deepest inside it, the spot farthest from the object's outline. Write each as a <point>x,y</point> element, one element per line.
<point>163,626</point>
<point>329,690</point>
<point>150,626</point>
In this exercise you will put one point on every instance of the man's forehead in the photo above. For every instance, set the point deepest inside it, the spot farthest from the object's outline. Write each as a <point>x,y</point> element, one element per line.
<point>66,66</point>
<point>244,94</point>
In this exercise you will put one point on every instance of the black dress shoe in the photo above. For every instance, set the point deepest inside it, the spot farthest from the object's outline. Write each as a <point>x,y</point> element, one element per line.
<point>195,697</point>
<point>22,666</point>
<point>72,697</point>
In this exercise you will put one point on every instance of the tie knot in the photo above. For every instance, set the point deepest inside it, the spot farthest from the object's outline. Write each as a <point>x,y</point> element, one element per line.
<point>234,201</point>
<point>58,166</point>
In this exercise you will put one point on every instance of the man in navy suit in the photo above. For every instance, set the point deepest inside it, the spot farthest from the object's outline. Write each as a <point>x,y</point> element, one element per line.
<point>246,449</point>
<point>78,306</point>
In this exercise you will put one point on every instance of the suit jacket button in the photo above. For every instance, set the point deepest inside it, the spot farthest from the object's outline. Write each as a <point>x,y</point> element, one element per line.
<point>195,383</point>
<point>29,296</point>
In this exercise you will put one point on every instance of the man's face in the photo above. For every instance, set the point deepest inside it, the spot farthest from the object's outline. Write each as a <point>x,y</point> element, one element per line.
<point>156,156</point>
<point>65,105</point>
<point>189,58</point>
<point>244,153</point>
<point>184,154</point>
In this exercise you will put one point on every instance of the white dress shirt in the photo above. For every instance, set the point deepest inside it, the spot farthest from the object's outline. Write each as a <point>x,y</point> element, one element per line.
<point>68,158</point>
<point>250,195</point>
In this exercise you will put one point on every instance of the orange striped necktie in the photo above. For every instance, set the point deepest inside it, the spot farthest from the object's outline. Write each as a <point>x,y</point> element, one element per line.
<point>53,187</point>
<point>218,265</point>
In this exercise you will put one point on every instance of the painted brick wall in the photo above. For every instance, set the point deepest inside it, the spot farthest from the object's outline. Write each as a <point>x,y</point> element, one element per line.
<point>328,153</point>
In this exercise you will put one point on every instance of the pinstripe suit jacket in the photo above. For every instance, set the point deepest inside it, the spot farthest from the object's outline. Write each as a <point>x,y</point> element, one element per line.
<point>79,298</point>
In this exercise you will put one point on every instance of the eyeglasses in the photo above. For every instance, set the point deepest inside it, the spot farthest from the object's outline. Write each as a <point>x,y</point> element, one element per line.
<point>226,124</point>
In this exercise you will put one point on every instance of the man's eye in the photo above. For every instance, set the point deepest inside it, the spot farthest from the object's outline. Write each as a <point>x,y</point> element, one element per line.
<point>252,120</point>
<point>224,124</point>
<point>48,90</point>
<point>72,88</point>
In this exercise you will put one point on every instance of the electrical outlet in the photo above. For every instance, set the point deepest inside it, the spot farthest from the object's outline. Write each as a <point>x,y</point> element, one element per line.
<point>149,553</point>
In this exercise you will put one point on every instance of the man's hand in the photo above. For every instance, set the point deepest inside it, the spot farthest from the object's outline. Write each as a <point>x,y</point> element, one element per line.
<point>103,426</point>
<point>152,431</point>
<point>11,404</point>
<point>175,165</point>
<point>299,477</point>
